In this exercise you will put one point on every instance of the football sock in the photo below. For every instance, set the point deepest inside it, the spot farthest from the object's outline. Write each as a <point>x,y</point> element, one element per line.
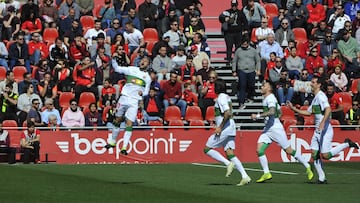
<point>218,157</point>
<point>319,169</point>
<point>126,139</point>
<point>300,158</point>
<point>334,151</point>
<point>239,167</point>
<point>264,163</point>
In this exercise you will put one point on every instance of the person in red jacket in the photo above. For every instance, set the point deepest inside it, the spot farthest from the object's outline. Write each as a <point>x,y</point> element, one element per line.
<point>173,93</point>
<point>31,25</point>
<point>78,50</point>
<point>85,80</point>
<point>316,15</point>
<point>313,61</point>
<point>37,49</point>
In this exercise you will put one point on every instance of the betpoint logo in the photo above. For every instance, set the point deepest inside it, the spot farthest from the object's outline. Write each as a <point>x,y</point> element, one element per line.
<point>298,144</point>
<point>150,145</point>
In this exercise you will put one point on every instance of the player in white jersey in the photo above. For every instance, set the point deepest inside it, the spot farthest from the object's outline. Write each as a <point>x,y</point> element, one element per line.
<point>323,133</point>
<point>137,85</point>
<point>225,133</point>
<point>274,132</point>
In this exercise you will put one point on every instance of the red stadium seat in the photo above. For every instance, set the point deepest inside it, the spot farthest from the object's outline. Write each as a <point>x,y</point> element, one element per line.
<point>270,21</point>
<point>210,114</point>
<point>334,122</point>
<point>300,35</point>
<point>64,99</point>
<point>286,113</point>
<point>354,86</point>
<point>176,123</point>
<point>172,113</point>
<point>86,98</point>
<point>96,10</point>
<point>181,22</point>
<point>253,36</point>
<point>193,113</point>
<point>34,70</point>
<point>19,72</point>
<point>346,101</point>
<point>50,35</point>
<point>196,123</point>
<point>87,22</point>
<point>150,34</point>
<point>155,123</point>
<point>289,122</point>
<point>2,73</point>
<point>271,9</point>
<point>9,123</point>
<point>104,113</point>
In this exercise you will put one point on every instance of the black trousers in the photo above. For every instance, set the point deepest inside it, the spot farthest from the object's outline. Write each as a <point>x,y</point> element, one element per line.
<point>31,153</point>
<point>11,153</point>
<point>232,39</point>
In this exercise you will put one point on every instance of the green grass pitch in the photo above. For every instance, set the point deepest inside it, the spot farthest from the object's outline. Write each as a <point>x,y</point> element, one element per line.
<point>52,183</point>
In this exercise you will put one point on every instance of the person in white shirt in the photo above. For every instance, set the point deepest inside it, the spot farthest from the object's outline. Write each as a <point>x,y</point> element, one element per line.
<point>133,37</point>
<point>338,19</point>
<point>262,32</point>
<point>92,33</point>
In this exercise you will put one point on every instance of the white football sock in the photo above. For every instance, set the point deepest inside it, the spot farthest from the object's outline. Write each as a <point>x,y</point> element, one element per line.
<point>126,139</point>
<point>319,169</point>
<point>239,167</point>
<point>264,163</point>
<point>336,150</point>
<point>218,157</point>
<point>301,159</point>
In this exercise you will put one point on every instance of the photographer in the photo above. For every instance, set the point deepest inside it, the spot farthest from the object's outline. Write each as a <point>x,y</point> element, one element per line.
<point>8,103</point>
<point>30,143</point>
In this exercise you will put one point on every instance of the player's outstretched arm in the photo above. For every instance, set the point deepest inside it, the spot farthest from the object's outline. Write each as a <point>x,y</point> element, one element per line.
<point>299,111</point>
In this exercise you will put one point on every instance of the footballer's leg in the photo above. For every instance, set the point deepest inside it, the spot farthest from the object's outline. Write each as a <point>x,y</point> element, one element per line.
<point>301,159</point>
<point>127,136</point>
<point>215,142</point>
<point>261,148</point>
<point>115,131</point>
<point>245,177</point>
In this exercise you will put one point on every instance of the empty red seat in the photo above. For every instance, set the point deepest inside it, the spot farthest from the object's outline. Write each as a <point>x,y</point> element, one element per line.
<point>86,98</point>
<point>193,113</point>
<point>64,99</point>
<point>172,113</point>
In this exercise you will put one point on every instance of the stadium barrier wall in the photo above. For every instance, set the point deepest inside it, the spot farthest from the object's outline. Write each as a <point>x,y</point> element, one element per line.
<point>170,146</point>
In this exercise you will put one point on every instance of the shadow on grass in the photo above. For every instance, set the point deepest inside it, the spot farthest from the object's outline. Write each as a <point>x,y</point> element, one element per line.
<point>125,183</point>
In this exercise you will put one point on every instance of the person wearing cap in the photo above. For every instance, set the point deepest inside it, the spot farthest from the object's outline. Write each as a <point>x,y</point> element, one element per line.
<point>78,50</point>
<point>162,64</point>
<point>177,37</point>
<point>234,26</point>
<point>198,57</point>
<point>100,42</point>
<point>246,65</point>
<point>50,110</point>
<point>199,41</point>
<point>92,33</point>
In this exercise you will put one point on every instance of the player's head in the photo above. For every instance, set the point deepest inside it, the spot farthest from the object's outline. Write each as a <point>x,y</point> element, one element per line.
<point>316,83</point>
<point>220,86</point>
<point>266,88</point>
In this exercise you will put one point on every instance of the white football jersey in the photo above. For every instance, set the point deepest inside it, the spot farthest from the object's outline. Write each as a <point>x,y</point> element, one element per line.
<point>318,105</point>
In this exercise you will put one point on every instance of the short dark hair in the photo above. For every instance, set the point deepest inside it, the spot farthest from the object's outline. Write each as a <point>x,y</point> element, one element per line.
<point>220,86</point>
<point>73,100</point>
<point>30,124</point>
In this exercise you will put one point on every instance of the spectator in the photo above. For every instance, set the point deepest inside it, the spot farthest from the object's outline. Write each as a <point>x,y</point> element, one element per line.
<point>350,50</point>
<point>194,27</point>
<point>9,80</point>
<point>198,57</point>
<point>351,8</point>
<point>254,12</point>
<point>191,14</point>
<point>262,32</point>
<point>4,56</point>
<point>355,24</point>
<point>119,40</point>
<point>8,103</point>
<point>100,42</point>
<point>37,49</point>
<point>154,81</point>
<point>92,33</point>
<point>106,14</point>
<point>294,65</point>
<point>246,66</point>
<point>78,50</point>
<point>93,117</point>
<point>183,5</point>
<point>108,93</point>
<point>103,68</point>
<point>47,87</point>
<point>270,65</point>
<point>337,19</point>
<point>320,32</point>
<point>50,110</point>
<point>202,75</point>
<point>187,72</point>
<point>200,43</point>
<point>133,37</point>
<point>284,34</point>
<point>29,8</point>
<point>347,27</point>
<point>313,61</point>
<point>276,21</point>
<point>24,102</point>
<point>58,51</point>
<point>164,42</point>
<point>152,106</point>
<point>64,9</point>
<point>162,64</point>
<point>52,125</point>
<point>189,95</point>
<point>123,7</point>
<point>298,14</point>
<point>168,19</point>
<point>85,81</point>
<point>11,24</point>
<point>23,85</point>
<point>41,70</point>
<point>163,8</point>
<point>86,7</point>
<point>19,53</point>
<point>208,95</point>
<point>73,116</point>
<point>326,48</point>
<point>5,145</point>
<point>335,59</point>
<point>316,15</point>
<point>180,58</point>
<point>177,38</point>
<point>131,17</point>
<point>302,89</point>
<point>62,76</point>
<point>339,79</point>
<point>113,31</point>
<point>275,73</point>
<point>353,115</point>
<point>65,22</point>
<point>173,93</point>
<point>283,87</point>
<point>30,143</point>
<point>34,114</point>
<point>148,14</point>
<point>75,30</point>
<point>31,25</point>
<point>49,13</point>
<point>336,105</point>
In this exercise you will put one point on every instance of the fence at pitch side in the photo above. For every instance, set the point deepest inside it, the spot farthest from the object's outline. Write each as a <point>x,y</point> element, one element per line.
<point>170,145</point>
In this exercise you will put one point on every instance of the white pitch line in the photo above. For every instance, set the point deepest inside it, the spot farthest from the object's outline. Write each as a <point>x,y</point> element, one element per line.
<point>249,169</point>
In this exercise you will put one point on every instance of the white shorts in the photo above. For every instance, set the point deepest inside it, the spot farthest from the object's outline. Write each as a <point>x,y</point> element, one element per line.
<point>322,141</point>
<point>277,135</point>
<point>226,138</point>
<point>127,107</point>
